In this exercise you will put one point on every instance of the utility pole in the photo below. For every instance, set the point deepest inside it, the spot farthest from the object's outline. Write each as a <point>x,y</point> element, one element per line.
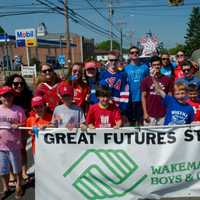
<point>120,24</point>
<point>110,13</point>
<point>67,33</point>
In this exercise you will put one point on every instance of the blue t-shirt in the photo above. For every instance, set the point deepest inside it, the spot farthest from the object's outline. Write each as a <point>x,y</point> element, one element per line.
<point>136,73</point>
<point>177,113</point>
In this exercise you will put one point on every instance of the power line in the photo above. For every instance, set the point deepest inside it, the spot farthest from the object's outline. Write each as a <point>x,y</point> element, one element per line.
<point>101,14</point>
<point>138,6</point>
<point>75,17</point>
<point>80,17</point>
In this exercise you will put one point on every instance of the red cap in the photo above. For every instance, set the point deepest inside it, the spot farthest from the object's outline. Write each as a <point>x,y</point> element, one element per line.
<point>37,101</point>
<point>5,90</point>
<point>89,65</point>
<point>66,90</point>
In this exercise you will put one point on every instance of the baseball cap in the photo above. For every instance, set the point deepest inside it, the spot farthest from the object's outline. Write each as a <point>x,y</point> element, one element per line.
<point>5,90</point>
<point>37,101</point>
<point>65,90</point>
<point>89,65</point>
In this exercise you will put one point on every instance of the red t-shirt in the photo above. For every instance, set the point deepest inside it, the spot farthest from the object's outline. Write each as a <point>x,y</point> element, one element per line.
<point>178,73</point>
<point>103,117</point>
<point>196,107</point>
<point>49,93</point>
<point>154,102</point>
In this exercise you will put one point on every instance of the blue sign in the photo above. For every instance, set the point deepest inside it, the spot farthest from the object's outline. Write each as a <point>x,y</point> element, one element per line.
<point>61,59</point>
<point>20,43</point>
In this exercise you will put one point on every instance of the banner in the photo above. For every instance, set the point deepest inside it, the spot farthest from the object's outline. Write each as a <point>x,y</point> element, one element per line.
<point>127,163</point>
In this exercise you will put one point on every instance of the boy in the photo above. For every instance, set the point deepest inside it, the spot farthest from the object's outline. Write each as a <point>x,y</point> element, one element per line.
<point>67,115</point>
<point>103,114</point>
<point>194,101</point>
<point>40,119</point>
<point>178,110</point>
<point>11,117</point>
<point>153,108</point>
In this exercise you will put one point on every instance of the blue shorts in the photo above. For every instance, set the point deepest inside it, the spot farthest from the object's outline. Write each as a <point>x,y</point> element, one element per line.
<point>8,159</point>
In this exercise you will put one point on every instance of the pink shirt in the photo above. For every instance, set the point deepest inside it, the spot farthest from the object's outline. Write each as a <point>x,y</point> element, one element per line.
<point>10,139</point>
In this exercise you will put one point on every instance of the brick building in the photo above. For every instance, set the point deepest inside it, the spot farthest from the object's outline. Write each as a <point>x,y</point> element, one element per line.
<point>49,47</point>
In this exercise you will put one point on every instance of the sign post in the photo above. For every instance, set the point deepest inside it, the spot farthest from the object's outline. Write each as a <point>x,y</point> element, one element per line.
<point>26,38</point>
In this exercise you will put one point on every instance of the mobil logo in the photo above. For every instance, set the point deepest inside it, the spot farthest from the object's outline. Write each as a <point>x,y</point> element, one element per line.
<point>24,34</point>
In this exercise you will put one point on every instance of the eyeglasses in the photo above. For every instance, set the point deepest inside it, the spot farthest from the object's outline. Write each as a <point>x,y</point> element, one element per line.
<point>113,60</point>
<point>179,55</point>
<point>134,52</point>
<point>47,70</point>
<point>18,83</point>
<point>186,70</point>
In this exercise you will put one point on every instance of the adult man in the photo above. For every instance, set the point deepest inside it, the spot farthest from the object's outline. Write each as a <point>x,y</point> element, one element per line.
<point>153,107</point>
<point>116,81</point>
<point>188,76</point>
<point>136,73</point>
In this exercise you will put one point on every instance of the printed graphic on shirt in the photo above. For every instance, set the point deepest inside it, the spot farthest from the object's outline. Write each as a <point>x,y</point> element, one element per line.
<point>152,88</point>
<point>104,121</point>
<point>179,117</point>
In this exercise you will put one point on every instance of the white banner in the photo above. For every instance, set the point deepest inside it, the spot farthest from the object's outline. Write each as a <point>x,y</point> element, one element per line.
<point>127,164</point>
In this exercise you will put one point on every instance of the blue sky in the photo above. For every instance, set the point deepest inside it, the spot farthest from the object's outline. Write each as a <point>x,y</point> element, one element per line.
<point>136,16</point>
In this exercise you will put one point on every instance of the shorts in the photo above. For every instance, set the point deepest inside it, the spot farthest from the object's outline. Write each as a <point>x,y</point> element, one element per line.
<point>8,159</point>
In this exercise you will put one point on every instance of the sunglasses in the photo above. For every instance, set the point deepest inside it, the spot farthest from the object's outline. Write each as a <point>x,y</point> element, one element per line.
<point>76,71</point>
<point>165,58</point>
<point>113,60</point>
<point>134,52</point>
<point>179,55</point>
<point>47,70</point>
<point>186,70</point>
<point>18,83</point>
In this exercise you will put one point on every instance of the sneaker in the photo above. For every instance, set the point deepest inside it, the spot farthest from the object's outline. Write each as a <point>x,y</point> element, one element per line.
<point>19,193</point>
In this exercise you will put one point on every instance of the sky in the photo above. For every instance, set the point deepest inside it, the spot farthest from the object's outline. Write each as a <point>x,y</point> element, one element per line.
<point>134,17</point>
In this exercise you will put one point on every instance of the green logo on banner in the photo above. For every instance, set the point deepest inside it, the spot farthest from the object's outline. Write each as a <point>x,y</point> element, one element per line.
<point>103,171</point>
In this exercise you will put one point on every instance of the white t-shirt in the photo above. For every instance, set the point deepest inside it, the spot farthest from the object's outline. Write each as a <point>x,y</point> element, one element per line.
<point>64,116</point>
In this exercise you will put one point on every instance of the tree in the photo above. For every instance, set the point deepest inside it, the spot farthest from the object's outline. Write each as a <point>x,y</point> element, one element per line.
<point>105,45</point>
<point>179,47</point>
<point>1,30</point>
<point>192,38</point>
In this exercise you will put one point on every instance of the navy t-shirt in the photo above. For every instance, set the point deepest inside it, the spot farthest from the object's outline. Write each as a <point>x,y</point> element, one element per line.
<point>177,113</point>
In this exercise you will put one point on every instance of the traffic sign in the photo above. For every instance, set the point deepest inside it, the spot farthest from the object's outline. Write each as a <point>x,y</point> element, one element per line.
<point>31,42</point>
<point>61,59</point>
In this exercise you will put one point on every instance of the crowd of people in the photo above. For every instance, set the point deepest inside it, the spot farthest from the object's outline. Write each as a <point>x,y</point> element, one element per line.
<point>110,96</point>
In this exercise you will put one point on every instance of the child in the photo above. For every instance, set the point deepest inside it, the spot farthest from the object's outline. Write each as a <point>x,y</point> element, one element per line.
<point>11,117</point>
<point>178,110</point>
<point>194,101</point>
<point>103,114</point>
<point>40,118</point>
<point>67,115</point>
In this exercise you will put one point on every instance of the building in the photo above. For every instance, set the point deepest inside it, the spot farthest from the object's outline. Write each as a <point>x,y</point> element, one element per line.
<point>50,46</point>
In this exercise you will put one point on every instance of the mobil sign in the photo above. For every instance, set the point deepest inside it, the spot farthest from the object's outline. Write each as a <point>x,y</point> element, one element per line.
<point>24,35</point>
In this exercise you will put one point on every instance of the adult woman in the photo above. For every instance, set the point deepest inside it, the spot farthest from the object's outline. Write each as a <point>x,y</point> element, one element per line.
<point>21,90</point>
<point>47,86</point>
<point>91,75</point>
<point>74,78</point>
<point>22,97</point>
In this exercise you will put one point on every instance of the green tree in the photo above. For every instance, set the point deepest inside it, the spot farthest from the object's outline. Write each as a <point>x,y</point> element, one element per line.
<point>192,38</point>
<point>178,47</point>
<point>105,45</point>
<point>1,30</point>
